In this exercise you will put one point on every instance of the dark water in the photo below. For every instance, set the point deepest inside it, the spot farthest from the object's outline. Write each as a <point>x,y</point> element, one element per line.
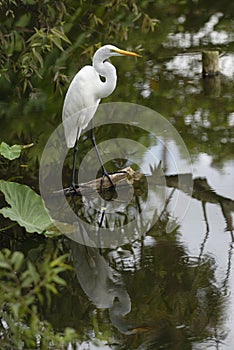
<point>170,283</point>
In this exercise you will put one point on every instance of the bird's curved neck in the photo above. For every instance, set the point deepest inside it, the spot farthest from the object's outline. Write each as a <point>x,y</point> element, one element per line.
<point>108,71</point>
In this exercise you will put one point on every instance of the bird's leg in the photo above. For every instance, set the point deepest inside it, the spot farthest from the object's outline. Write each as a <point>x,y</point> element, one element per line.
<point>104,172</point>
<point>103,215</point>
<point>73,184</point>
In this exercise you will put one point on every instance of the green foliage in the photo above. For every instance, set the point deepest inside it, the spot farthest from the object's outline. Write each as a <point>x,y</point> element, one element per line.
<point>29,31</point>
<point>10,152</point>
<point>34,32</point>
<point>26,207</point>
<point>23,285</point>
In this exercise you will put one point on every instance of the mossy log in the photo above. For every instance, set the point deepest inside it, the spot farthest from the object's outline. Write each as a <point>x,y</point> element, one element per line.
<point>128,176</point>
<point>123,177</point>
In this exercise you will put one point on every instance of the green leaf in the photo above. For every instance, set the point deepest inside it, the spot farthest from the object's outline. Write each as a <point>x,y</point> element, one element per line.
<point>52,289</point>
<point>58,261</point>
<point>26,207</point>
<point>40,297</point>
<point>59,280</point>
<point>61,35</point>
<point>33,272</point>
<point>5,265</point>
<point>57,42</point>
<point>15,309</point>
<point>26,281</point>
<point>10,152</point>
<point>17,260</point>
<point>30,300</point>
<point>38,56</point>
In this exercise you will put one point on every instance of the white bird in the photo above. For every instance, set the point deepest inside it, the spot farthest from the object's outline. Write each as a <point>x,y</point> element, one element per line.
<point>83,97</point>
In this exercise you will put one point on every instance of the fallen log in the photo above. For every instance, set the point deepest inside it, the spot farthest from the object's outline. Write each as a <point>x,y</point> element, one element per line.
<point>128,176</point>
<point>198,188</point>
<point>123,177</point>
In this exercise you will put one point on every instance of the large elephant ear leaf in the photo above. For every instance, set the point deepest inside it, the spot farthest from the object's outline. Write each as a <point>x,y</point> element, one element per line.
<point>25,207</point>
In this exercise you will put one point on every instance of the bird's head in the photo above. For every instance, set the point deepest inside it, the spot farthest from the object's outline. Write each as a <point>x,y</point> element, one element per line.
<point>115,51</point>
<point>110,50</point>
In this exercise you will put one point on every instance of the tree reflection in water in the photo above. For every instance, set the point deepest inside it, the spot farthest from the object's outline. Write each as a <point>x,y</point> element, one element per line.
<point>154,290</point>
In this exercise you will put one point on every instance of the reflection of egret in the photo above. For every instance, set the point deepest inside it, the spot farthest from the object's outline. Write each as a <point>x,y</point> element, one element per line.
<point>103,286</point>
<point>83,97</point>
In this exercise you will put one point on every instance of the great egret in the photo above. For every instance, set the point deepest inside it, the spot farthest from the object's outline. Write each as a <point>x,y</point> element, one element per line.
<point>84,95</point>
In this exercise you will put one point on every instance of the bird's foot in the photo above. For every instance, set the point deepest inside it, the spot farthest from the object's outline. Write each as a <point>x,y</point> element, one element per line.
<point>73,188</point>
<point>106,174</point>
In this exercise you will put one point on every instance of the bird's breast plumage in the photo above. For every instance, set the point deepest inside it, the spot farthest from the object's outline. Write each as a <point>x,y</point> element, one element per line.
<point>80,103</point>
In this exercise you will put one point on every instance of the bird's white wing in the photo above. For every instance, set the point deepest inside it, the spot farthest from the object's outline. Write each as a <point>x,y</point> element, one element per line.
<point>80,103</point>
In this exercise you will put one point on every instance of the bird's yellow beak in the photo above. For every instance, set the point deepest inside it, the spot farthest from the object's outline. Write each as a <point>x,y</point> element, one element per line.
<point>127,53</point>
